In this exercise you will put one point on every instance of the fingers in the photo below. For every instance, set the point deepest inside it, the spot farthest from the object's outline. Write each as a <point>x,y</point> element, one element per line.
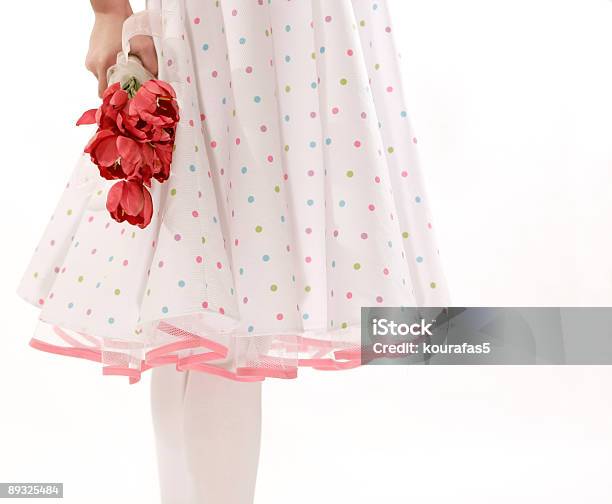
<point>144,49</point>
<point>102,83</point>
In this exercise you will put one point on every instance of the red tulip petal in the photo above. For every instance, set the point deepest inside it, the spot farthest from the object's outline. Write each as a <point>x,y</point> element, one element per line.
<point>106,151</point>
<point>129,150</point>
<point>147,210</point>
<point>133,200</point>
<point>88,117</point>
<point>114,197</point>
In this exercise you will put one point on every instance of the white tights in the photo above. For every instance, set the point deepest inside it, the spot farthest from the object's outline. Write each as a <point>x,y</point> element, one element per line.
<point>208,433</point>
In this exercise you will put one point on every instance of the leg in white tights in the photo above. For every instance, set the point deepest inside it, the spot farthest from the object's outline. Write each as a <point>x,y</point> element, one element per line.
<point>222,432</point>
<point>167,398</point>
<point>208,437</point>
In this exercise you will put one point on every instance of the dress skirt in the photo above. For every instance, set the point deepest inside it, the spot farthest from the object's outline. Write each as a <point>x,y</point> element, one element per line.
<point>295,198</point>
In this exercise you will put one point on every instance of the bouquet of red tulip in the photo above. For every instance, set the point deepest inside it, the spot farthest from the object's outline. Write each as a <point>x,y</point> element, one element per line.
<point>135,139</point>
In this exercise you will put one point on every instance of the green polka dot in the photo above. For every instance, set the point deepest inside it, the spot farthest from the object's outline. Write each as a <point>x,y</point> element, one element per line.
<point>390,150</point>
<point>405,234</point>
<point>117,292</point>
<point>36,275</point>
<point>81,279</point>
<point>273,287</point>
<point>287,89</point>
<point>433,285</point>
<point>277,189</point>
<point>344,325</point>
<point>308,288</point>
<point>350,173</point>
<point>69,212</point>
<point>356,266</point>
<point>343,82</point>
<point>258,229</point>
<point>362,23</point>
<point>173,192</point>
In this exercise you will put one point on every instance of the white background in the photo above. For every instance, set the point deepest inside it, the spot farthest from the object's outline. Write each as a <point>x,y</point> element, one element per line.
<point>512,102</point>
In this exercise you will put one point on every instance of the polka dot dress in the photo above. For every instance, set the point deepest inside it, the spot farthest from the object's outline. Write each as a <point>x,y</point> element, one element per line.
<point>295,199</point>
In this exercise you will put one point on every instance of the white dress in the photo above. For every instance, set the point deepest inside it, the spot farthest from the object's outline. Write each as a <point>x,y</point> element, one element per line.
<point>295,198</point>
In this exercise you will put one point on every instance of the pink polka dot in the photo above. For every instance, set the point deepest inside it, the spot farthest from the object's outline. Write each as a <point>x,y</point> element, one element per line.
<point>205,304</point>
<point>160,264</point>
<point>357,144</point>
<point>199,259</point>
<point>404,174</point>
<point>249,69</point>
<point>93,251</point>
<point>219,265</point>
<point>222,311</point>
<point>215,74</point>
<point>245,300</point>
<point>270,159</point>
<point>169,62</point>
<point>196,20</point>
<point>213,144</point>
<point>234,12</point>
<point>41,301</point>
<point>328,19</point>
<point>390,89</point>
<point>279,316</point>
<point>371,207</point>
<point>336,233</point>
<point>178,237</point>
<point>335,110</point>
<point>386,271</point>
<point>388,29</point>
<point>308,230</point>
<point>364,236</point>
<point>364,115</point>
<point>88,312</point>
<point>308,259</point>
<point>238,141</point>
<point>311,173</point>
<point>349,295</point>
<point>379,299</point>
<point>350,52</point>
<point>377,179</point>
<point>429,225</point>
<point>195,213</point>
<point>125,262</point>
<point>263,128</point>
<point>414,140</point>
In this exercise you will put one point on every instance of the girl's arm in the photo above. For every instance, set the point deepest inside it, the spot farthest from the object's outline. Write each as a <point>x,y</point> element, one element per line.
<point>105,40</point>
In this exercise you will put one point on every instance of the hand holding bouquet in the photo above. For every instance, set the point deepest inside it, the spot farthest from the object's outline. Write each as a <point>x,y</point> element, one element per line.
<point>135,138</point>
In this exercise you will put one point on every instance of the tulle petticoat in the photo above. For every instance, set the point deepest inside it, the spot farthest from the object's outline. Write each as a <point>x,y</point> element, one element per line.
<point>295,198</point>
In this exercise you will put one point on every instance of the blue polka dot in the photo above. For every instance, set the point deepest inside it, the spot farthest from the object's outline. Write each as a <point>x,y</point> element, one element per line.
<point>257,99</point>
<point>251,199</point>
<point>110,259</point>
<point>242,40</point>
<point>111,320</point>
<point>192,168</point>
<point>250,328</point>
<point>418,199</point>
<point>419,259</point>
<point>265,258</point>
<point>181,283</point>
<point>342,203</point>
<point>244,169</point>
<point>205,47</point>
<point>305,316</point>
<point>310,202</point>
<point>70,305</point>
<point>164,309</point>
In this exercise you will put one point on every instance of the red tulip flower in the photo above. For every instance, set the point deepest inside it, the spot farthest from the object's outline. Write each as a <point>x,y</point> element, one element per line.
<point>134,143</point>
<point>130,201</point>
